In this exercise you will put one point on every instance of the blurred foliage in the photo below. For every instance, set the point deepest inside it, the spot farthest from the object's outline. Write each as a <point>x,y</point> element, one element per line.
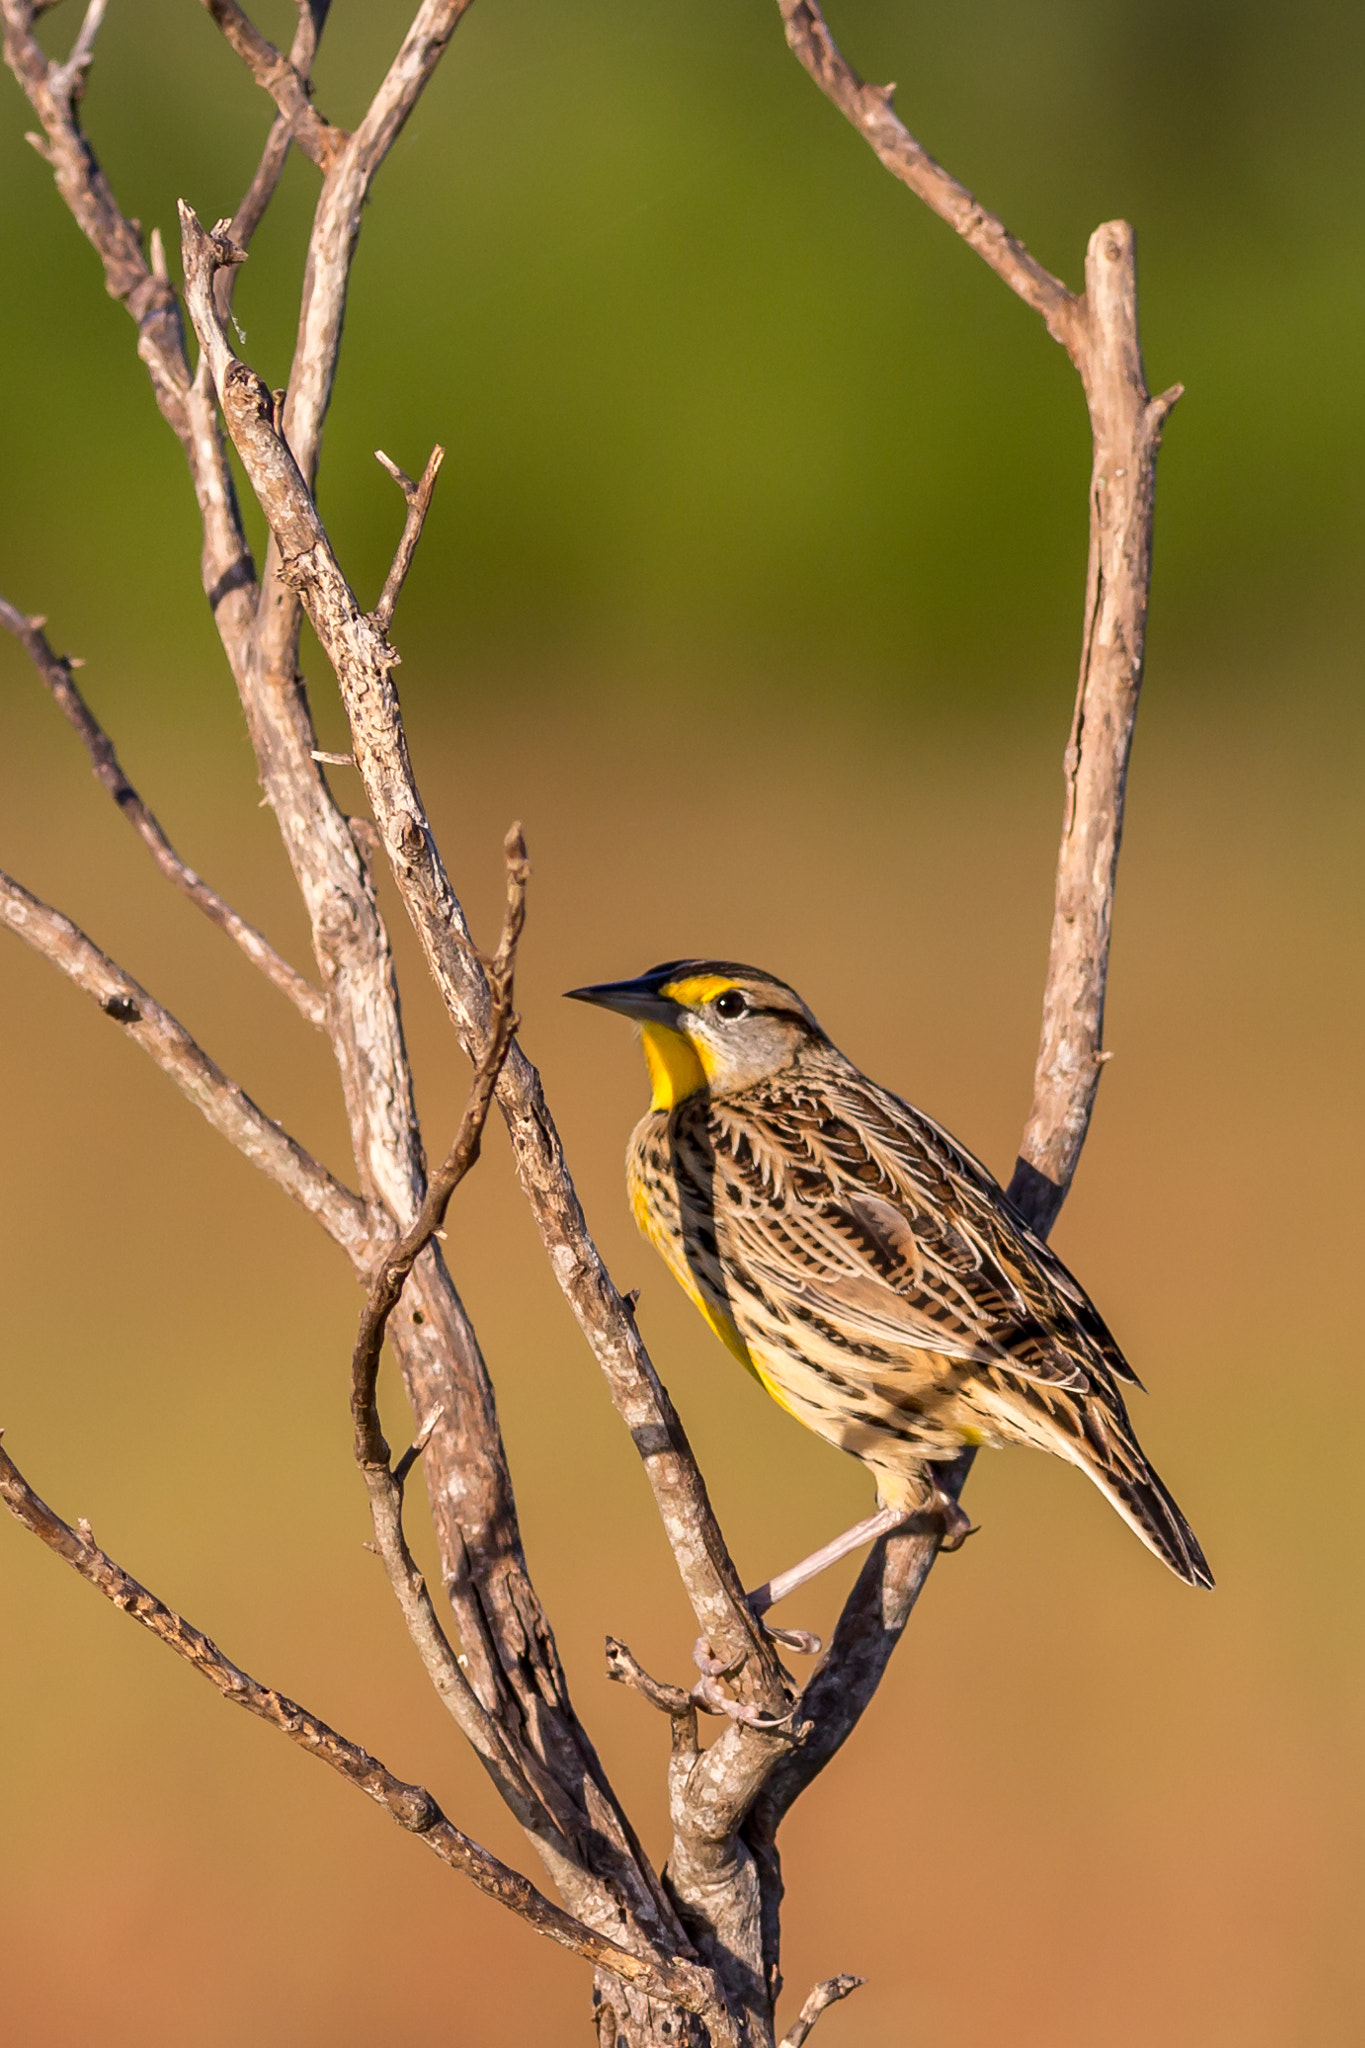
<point>721,398</point>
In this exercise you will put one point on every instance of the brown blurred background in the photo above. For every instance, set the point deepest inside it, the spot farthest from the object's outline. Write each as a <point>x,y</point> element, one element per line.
<point>753,588</point>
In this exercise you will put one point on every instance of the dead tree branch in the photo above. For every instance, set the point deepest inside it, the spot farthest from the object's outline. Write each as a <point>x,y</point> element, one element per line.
<point>233,1114</point>
<point>287,85</point>
<point>1099,332</point>
<point>417,497</point>
<point>56,672</point>
<point>821,1998</point>
<point>387,1285</point>
<point>705,1942</point>
<point>250,213</point>
<point>412,1806</point>
<point>363,661</point>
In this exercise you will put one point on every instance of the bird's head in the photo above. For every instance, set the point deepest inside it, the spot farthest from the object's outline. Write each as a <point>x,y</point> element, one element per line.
<point>709,1024</point>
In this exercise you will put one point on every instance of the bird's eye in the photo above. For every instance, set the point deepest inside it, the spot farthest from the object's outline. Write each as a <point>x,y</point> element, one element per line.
<point>730,1003</point>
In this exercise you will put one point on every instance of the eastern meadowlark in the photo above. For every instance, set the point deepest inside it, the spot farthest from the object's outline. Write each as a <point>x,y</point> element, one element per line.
<point>861,1264</point>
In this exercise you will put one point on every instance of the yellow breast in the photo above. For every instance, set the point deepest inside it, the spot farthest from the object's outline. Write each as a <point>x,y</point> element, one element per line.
<point>658,1224</point>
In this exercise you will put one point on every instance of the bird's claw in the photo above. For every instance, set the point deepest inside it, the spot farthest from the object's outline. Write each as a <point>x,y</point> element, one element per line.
<point>707,1695</point>
<point>801,1640</point>
<point>957,1524</point>
<point>713,1667</point>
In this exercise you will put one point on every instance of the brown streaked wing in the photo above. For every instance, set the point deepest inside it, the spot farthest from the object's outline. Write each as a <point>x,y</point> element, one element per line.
<point>897,1229</point>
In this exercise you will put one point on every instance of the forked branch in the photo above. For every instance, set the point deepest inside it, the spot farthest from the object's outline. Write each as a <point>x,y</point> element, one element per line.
<point>362,661</point>
<point>287,85</point>
<point>387,1285</point>
<point>412,1806</point>
<point>56,672</point>
<point>417,497</point>
<point>232,1113</point>
<point>1100,334</point>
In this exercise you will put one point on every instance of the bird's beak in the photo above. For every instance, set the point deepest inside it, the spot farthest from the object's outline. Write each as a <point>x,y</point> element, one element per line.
<point>638,999</point>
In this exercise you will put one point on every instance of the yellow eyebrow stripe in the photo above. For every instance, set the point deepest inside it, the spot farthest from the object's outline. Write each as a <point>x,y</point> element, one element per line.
<point>698,988</point>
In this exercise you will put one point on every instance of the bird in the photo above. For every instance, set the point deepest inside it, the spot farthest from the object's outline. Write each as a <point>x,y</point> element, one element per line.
<point>868,1271</point>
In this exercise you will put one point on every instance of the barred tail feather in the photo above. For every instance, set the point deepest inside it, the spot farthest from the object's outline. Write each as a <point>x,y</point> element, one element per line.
<point>1150,1512</point>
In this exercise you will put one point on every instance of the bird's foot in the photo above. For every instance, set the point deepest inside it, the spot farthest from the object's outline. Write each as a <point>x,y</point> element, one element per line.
<point>708,1695</point>
<point>801,1640</point>
<point>956,1524</point>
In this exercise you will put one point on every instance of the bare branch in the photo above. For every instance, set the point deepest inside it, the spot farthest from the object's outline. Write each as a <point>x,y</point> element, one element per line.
<point>250,213</point>
<point>624,1669</point>
<point>412,1806</point>
<point>281,78</point>
<point>232,1113</point>
<point>68,80</point>
<point>1100,334</point>
<point>824,1995</point>
<point>55,670</point>
<point>869,108</point>
<point>508,1645</point>
<point>362,660</point>
<point>387,1285</point>
<point>227,570</point>
<point>1126,424</point>
<point>418,499</point>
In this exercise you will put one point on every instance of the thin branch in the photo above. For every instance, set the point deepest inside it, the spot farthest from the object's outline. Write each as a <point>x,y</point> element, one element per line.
<point>282,79</point>
<point>624,1669</point>
<point>68,80</point>
<point>870,110</point>
<point>824,1995</point>
<point>508,1644</point>
<point>536,1808</point>
<point>227,570</point>
<point>387,1285</point>
<point>251,211</point>
<point>412,1806</point>
<point>362,661</point>
<point>417,497</point>
<point>232,1113</point>
<point>55,670</point>
<point>1100,334</point>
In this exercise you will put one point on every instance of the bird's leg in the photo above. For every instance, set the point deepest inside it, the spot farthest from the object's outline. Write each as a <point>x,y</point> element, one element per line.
<point>952,1520</point>
<point>867,1531</point>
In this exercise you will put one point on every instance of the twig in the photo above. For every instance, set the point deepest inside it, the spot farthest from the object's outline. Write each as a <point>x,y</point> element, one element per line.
<point>623,1669</point>
<point>824,1995</point>
<point>251,211</point>
<point>232,1113</point>
<point>869,108</point>
<point>539,1807</point>
<point>418,499</point>
<point>68,80</point>
<point>55,670</point>
<point>412,1806</point>
<point>387,1284</point>
<point>282,79</point>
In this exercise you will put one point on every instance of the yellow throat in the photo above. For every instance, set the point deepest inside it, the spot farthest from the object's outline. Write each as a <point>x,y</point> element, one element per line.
<point>675,1066</point>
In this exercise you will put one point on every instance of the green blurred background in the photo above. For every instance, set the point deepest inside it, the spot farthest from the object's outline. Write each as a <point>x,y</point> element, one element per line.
<point>753,587</point>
